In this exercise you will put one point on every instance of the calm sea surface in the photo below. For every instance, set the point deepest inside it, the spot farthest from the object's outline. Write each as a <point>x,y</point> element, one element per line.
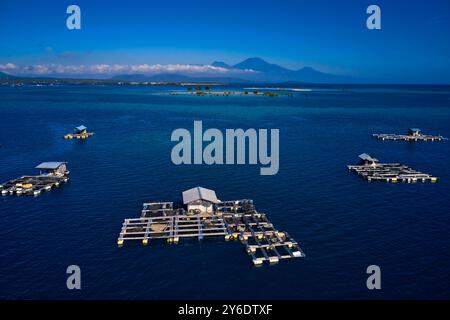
<point>342,223</point>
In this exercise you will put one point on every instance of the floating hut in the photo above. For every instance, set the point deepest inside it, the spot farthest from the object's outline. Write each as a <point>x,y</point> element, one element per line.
<point>368,160</point>
<point>372,170</point>
<point>51,175</point>
<point>53,168</point>
<point>204,216</point>
<point>200,200</point>
<point>414,134</point>
<point>79,132</point>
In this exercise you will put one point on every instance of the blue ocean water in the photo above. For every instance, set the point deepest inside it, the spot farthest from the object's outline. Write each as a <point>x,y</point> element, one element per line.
<point>342,223</point>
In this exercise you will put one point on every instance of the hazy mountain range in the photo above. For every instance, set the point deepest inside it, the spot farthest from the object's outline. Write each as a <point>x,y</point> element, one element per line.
<point>249,70</point>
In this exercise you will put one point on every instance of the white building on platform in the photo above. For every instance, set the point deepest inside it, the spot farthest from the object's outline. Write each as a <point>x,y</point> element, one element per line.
<point>200,200</point>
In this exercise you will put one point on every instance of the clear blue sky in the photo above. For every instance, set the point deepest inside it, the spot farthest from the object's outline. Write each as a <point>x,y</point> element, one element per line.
<point>413,45</point>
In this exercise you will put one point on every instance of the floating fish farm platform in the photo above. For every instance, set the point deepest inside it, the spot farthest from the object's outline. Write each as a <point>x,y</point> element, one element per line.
<point>413,135</point>
<point>79,132</point>
<point>82,136</point>
<point>52,175</point>
<point>371,170</point>
<point>229,220</point>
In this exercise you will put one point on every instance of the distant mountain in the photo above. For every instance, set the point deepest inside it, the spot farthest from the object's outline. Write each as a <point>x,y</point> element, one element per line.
<point>5,76</point>
<point>264,72</point>
<point>312,75</point>
<point>221,64</point>
<point>130,77</point>
<point>258,64</point>
<point>249,70</point>
<point>274,73</point>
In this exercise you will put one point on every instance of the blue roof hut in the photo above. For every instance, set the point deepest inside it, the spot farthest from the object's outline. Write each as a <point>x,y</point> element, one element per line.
<point>80,129</point>
<point>368,160</point>
<point>414,132</point>
<point>52,168</point>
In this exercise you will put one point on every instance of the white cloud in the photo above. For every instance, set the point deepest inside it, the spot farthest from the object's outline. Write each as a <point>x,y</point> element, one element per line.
<point>8,66</point>
<point>105,69</point>
<point>178,68</point>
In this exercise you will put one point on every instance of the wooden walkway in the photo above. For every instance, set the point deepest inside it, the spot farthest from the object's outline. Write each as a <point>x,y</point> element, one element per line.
<point>233,220</point>
<point>171,228</point>
<point>263,243</point>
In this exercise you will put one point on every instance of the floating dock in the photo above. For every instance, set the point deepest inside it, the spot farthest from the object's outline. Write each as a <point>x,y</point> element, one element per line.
<point>414,134</point>
<point>79,132</point>
<point>371,170</point>
<point>207,217</point>
<point>52,175</point>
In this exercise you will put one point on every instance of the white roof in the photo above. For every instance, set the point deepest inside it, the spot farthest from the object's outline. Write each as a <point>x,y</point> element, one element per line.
<point>50,165</point>
<point>366,157</point>
<point>199,193</point>
<point>80,128</point>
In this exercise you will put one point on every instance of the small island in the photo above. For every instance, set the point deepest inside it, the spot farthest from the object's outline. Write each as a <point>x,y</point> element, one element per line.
<point>206,91</point>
